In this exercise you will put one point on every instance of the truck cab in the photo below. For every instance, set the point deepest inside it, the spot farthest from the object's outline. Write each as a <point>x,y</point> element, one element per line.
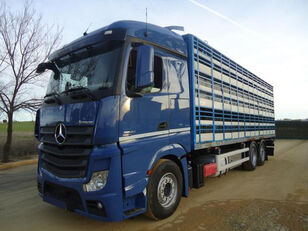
<point>116,109</point>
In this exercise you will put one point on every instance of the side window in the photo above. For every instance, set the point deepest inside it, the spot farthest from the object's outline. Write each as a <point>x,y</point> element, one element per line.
<point>158,72</point>
<point>131,73</point>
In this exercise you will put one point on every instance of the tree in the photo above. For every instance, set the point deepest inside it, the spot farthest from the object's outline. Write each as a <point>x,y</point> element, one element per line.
<point>24,43</point>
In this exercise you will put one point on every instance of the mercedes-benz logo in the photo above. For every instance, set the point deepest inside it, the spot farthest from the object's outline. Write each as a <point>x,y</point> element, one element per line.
<point>60,133</point>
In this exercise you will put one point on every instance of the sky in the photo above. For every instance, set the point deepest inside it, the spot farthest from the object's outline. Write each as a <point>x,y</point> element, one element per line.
<point>267,37</point>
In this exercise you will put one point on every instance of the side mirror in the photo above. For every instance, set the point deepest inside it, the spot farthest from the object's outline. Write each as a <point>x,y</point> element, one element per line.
<point>50,66</point>
<point>145,67</point>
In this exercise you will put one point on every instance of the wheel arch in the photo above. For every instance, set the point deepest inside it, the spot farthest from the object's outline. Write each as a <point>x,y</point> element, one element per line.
<point>177,154</point>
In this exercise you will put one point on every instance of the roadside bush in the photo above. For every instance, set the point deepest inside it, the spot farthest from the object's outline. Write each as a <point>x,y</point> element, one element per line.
<point>24,145</point>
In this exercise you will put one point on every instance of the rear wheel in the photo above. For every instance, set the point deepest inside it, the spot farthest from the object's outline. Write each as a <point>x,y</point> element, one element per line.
<point>253,156</point>
<point>164,190</point>
<point>261,154</point>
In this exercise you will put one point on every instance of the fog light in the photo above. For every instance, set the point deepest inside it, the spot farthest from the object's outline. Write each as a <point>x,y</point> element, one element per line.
<point>99,205</point>
<point>97,182</point>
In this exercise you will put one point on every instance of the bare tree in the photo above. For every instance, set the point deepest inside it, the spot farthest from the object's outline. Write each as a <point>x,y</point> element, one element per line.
<point>24,43</point>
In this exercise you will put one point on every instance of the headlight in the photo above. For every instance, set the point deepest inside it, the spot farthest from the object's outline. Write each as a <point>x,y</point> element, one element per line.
<point>97,182</point>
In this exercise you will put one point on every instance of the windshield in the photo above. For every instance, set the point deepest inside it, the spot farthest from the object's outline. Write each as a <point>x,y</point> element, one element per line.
<point>93,68</point>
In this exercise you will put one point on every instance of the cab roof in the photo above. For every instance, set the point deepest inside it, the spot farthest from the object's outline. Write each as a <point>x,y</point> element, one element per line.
<point>120,30</point>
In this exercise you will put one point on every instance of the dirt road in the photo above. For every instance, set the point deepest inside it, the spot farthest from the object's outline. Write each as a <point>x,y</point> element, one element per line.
<point>273,197</point>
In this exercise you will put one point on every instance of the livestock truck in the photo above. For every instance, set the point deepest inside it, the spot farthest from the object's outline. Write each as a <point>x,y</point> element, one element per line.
<point>135,115</point>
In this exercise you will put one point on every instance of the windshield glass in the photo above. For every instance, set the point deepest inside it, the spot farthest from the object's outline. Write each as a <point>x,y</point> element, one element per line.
<point>93,68</point>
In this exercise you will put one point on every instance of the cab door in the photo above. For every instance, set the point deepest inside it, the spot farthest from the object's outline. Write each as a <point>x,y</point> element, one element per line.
<point>144,122</point>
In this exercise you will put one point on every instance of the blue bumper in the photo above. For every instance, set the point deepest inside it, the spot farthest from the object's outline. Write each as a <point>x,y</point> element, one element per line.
<point>67,193</point>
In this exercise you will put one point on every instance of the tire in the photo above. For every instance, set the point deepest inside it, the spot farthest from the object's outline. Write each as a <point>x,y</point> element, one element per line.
<point>261,154</point>
<point>164,190</point>
<point>253,156</point>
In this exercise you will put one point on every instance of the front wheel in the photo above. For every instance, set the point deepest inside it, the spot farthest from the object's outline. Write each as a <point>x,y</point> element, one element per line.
<point>164,190</point>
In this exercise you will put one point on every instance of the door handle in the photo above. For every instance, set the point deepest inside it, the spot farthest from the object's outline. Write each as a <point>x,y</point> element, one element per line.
<point>162,126</point>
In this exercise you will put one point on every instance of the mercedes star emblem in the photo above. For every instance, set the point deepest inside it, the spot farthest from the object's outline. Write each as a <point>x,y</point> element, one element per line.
<point>60,133</point>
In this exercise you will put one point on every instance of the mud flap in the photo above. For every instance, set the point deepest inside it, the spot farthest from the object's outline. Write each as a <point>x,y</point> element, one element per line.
<point>270,146</point>
<point>270,150</point>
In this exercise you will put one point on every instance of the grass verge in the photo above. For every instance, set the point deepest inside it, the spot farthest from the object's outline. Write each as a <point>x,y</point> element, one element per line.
<point>27,126</point>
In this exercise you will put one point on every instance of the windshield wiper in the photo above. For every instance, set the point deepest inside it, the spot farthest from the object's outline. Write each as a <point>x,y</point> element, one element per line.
<point>55,98</point>
<point>83,90</point>
<point>103,88</point>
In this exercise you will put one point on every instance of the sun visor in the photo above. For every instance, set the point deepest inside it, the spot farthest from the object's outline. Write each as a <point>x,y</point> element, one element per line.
<point>99,36</point>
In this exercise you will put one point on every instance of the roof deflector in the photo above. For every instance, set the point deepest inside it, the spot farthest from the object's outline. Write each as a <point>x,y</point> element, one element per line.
<point>179,28</point>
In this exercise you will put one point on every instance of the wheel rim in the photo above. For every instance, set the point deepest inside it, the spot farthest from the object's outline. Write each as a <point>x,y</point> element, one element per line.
<point>262,154</point>
<point>254,157</point>
<point>167,190</point>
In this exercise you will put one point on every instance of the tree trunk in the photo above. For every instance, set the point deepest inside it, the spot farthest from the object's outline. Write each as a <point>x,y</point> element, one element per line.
<point>8,143</point>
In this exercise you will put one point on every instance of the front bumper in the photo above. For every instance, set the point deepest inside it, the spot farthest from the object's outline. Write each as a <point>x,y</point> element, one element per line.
<point>67,193</point>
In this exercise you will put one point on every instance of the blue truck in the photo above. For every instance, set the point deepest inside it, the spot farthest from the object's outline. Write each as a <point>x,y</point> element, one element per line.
<point>135,115</point>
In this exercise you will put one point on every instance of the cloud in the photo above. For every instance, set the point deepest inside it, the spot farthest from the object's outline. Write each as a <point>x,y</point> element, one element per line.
<point>229,20</point>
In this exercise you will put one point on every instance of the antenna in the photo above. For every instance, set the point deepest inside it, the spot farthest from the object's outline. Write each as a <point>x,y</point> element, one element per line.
<point>146,23</point>
<point>85,33</point>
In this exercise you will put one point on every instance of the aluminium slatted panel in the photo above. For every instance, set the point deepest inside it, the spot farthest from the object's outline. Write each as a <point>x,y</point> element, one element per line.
<point>230,102</point>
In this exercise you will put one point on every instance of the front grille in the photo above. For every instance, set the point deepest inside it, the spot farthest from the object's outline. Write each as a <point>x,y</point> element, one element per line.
<point>69,160</point>
<point>61,193</point>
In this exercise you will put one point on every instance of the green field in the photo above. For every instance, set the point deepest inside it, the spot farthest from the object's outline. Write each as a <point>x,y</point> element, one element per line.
<point>27,126</point>
<point>24,144</point>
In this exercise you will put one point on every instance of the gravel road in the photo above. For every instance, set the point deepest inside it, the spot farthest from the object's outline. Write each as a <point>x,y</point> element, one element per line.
<point>273,197</point>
